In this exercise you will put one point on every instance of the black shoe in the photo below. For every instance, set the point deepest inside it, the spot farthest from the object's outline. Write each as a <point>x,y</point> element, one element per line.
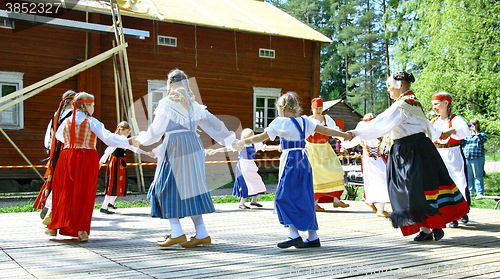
<point>453,224</point>
<point>256,204</point>
<point>103,210</point>
<point>310,244</point>
<point>438,233</point>
<point>242,206</point>
<point>423,237</point>
<point>112,206</point>
<point>297,242</point>
<point>43,212</point>
<point>465,219</point>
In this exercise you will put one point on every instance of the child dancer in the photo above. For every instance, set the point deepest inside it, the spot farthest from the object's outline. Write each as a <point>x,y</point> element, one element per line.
<point>248,183</point>
<point>450,149</point>
<point>328,175</point>
<point>422,194</point>
<point>179,188</point>
<point>294,195</point>
<point>75,180</point>
<point>44,198</point>
<point>374,167</point>
<point>116,172</point>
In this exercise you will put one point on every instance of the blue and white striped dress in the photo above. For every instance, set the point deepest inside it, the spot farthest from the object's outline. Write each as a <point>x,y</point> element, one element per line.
<point>179,188</point>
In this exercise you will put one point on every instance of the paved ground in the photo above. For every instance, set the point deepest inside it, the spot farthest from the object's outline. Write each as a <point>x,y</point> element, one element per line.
<point>355,244</point>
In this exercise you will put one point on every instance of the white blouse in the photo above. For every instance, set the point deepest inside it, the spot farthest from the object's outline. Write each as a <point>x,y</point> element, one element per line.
<point>108,137</point>
<point>214,127</point>
<point>284,127</point>
<point>330,123</point>
<point>396,120</point>
<point>457,123</point>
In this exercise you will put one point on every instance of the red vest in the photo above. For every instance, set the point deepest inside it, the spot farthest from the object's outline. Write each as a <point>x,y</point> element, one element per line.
<point>317,137</point>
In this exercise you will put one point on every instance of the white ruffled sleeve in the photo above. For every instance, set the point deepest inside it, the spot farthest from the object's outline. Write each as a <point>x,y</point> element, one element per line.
<point>380,125</point>
<point>106,154</point>
<point>216,129</point>
<point>275,127</point>
<point>461,128</point>
<point>155,131</point>
<point>331,123</point>
<point>108,137</point>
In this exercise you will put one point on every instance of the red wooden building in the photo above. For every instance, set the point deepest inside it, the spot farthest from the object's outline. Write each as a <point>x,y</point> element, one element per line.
<point>242,53</point>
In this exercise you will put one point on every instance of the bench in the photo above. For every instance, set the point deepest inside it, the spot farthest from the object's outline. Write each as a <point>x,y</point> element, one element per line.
<point>496,198</point>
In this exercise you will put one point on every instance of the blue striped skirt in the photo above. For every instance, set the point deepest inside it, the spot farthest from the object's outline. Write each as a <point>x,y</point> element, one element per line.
<point>180,187</point>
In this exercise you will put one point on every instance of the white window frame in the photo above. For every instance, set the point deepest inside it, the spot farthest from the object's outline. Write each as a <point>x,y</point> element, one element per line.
<point>266,93</point>
<point>169,38</point>
<point>267,53</point>
<point>157,88</point>
<point>7,24</point>
<point>16,79</point>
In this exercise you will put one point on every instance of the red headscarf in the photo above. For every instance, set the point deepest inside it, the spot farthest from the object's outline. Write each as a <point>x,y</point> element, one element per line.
<point>317,102</point>
<point>442,98</point>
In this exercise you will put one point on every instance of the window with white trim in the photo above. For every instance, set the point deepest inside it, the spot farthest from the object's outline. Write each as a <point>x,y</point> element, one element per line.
<point>12,117</point>
<point>156,90</point>
<point>167,41</point>
<point>264,104</point>
<point>267,53</point>
<point>6,23</point>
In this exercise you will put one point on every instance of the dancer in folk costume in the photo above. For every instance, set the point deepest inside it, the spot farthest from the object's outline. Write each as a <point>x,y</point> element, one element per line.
<point>44,199</point>
<point>422,194</point>
<point>75,178</point>
<point>450,148</point>
<point>116,171</point>
<point>179,188</point>
<point>374,168</point>
<point>248,182</point>
<point>294,201</point>
<point>328,175</point>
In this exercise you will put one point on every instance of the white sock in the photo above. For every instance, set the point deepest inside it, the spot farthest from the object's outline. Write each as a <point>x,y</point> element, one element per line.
<point>199,225</point>
<point>112,200</point>
<point>294,233</point>
<point>175,228</point>
<point>335,199</point>
<point>312,235</point>
<point>48,202</point>
<point>425,230</point>
<point>105,202</point>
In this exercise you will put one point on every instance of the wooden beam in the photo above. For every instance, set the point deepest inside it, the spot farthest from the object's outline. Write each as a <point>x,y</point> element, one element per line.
<point>38,87</point>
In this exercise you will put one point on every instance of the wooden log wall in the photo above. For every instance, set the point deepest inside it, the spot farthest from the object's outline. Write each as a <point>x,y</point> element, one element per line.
<point>226,65</point>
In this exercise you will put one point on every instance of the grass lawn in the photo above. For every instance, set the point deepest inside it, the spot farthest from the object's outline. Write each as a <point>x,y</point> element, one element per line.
<point>491,181</point>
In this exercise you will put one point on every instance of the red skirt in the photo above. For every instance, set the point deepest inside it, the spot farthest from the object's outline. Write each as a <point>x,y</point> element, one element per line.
<point>116,177</point>
<point>327,197</point>
<point>73,191</point>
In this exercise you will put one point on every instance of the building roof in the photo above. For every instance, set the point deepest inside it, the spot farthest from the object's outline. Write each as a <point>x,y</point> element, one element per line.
<point>329,104</point>
<point>255,16</point>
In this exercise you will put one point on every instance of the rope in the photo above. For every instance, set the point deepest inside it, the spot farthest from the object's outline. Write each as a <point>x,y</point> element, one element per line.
<point>154,164</point>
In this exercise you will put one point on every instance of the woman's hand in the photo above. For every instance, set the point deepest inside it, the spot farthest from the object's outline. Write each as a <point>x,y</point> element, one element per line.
<point>133,141</point>
<point>349,135</point>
